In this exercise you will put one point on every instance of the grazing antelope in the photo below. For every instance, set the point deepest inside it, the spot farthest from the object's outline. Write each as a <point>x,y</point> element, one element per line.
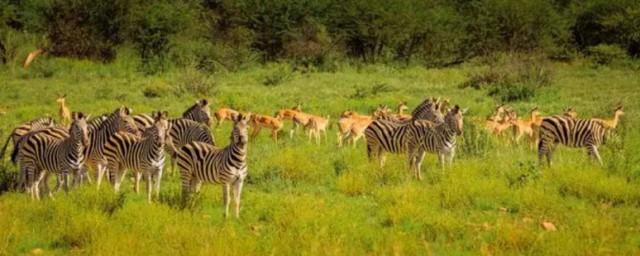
<point>261,121</point>
<point>42,155</point>
<point>400,114</point>
<point>527,127</point>
<point>570,113</point>
<point>143,155</point>
<point>571,132</point>
<point>317,125</point>
<point>612,123</point>
<point>225,113</point>
<point>64,113</point>
<point>200,162</point>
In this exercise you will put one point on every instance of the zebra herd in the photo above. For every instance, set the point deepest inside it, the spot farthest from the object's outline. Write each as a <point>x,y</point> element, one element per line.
<point>118,141</point>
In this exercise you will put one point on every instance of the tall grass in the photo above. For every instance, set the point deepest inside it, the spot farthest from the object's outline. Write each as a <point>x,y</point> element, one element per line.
<point>303,198</point>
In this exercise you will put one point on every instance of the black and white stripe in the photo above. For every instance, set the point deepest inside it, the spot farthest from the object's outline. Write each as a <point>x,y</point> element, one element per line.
<point>23,129</point>
<point>118,121</point>
<point>200,162</point>
<point>42,154</point>
<point>571,132</point>
<point>439,139</point>
<point>143,155</point>
<point>390,135</point>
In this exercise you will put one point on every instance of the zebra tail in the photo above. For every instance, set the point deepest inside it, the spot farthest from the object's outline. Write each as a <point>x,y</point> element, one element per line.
<point>4,148</point>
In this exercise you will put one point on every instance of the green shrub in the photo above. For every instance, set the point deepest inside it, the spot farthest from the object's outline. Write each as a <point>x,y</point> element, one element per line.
<point>194,82</point>
<point>155,91</point>
<point>277,77</point>
<point>605,54</point>
<point>514,79</point>
<point>375,90</point>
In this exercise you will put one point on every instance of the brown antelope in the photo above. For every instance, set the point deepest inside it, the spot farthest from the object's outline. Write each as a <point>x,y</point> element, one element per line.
<point>570,112</point>
<point>317,125</point>
<point>261,121</point>
<point>496,119</point>
<point>612,123</point>
<point>501,126</point>
<point>225,113</point>
<point>400,114</point>
<point>64,113</point>
<point>526,127</point>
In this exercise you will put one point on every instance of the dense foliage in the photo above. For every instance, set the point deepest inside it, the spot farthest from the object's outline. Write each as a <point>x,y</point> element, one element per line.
<point>215,34</point>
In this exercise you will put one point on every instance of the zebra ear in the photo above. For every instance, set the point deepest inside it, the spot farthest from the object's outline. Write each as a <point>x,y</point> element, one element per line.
<point>74,115</point>
<point>87,116</point>
<point>204,102</point>
<point>464,110</point>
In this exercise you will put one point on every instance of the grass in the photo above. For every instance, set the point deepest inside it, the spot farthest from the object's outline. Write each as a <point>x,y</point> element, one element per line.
<point>303,198</point>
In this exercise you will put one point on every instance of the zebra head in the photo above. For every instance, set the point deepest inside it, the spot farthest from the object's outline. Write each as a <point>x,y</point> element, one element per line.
<point>79,128</point>
<point>454,120</point>
<point>124,121</point>
<point>240,128</point>
<point>161,127</point>
<point>199,112</point>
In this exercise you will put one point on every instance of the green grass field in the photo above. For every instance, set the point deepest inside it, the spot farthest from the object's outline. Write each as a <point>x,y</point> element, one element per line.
<point>309,199</point>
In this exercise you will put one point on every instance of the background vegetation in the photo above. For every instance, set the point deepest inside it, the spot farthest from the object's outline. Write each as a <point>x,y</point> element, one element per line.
<point>303,198</point>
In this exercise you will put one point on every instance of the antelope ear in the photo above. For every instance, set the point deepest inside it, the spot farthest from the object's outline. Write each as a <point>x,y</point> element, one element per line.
<point>74,115</point>
<point>87,116</point>
<point>64,95</point>
<point>165,114</point>
<point>465,110</point>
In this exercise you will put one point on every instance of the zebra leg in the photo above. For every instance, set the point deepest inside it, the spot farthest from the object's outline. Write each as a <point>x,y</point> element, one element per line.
<point>237,190</point>
<point>36,184</point>
<point>137,176</point>
<point>157,178</point>
<point>65,178</point>
<point>59,182</point>
<point>452,154</point>
<point>45,184</point>
<point>383,158</point>
<point>148,179</point>
<point>441,159</point>
<point>225,199</point>
<point>593,152</point>
<point>418,164</point>
<point>101,169</point>
<point>119,177</point>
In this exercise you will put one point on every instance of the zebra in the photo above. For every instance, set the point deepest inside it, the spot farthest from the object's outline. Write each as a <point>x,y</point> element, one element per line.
<point>200,162</point>
<point>43,155</point>
<point>119,120</point>
<point>199,112</point>
<point>23,129</point>
<point>144,155</point>
<point>387,134</point>
<point>57,133</point>
<point>439,138</point>
<point>429,110</point>
<point>571,132</point>
<point>183,131</point>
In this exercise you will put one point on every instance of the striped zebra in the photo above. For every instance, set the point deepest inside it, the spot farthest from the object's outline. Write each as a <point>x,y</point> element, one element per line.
<point>184,131</point>
<point>439,139</point>
<point>429,110</point>
<point>199,112</point>
<point>571,132</point>
<point>23,129</point>
<point>56,133</point>
<point>143,155</point>
<point>43,155</point>
<point>117,121</point>
<point>389,135</point>
<point>200,162</point>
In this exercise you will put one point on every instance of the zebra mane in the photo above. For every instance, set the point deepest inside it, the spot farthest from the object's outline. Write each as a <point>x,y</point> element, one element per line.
<point>428,110</point>
<point>195,106</point>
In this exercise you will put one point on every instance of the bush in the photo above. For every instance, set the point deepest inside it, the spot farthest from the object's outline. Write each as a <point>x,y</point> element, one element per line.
<point>155,91</point>
<point>605,54</point>
<point>364,92</point>
<point>517,78</point>
<point>195,82</point>
<point>277,76</point>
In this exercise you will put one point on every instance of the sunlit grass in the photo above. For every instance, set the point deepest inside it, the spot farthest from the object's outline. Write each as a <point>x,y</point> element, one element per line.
<point>303,198</point>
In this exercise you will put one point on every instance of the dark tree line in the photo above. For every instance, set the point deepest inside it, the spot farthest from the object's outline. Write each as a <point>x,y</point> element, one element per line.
<point>232,33</point>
